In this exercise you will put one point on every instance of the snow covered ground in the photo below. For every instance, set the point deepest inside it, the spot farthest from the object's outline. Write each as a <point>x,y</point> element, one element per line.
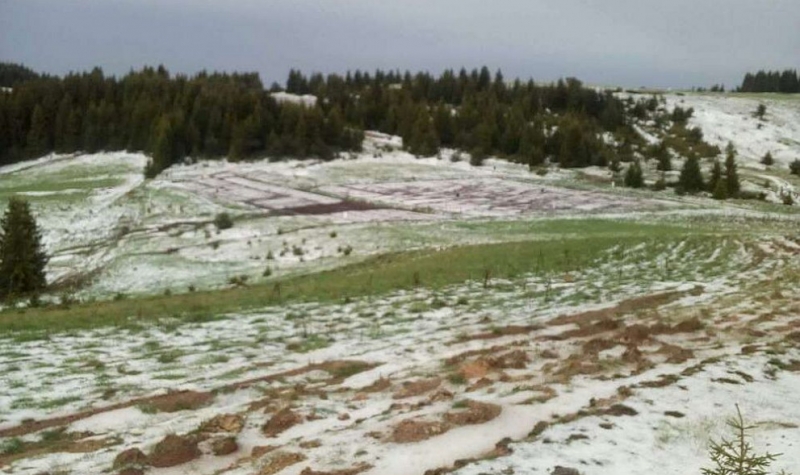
<point>604,372</point>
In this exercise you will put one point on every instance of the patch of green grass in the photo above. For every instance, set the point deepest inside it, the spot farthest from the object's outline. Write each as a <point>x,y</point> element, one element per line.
<point>58,402</point>
<point>457,378</point>
<point>555,247</point>
<point>170,356</point>
<point>348,370</point>
<point>11,446</point>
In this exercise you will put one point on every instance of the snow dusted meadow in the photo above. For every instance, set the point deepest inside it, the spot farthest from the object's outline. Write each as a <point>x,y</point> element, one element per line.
<point>627,363</point>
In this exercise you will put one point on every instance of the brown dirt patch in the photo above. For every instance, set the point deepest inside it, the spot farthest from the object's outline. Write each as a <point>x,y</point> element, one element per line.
<point>260,450</point>
<point>516,359</point>
<point>620,410</point>
<point>417,388</point>
<point>279,461</point>
<point>281,421</point>
<point>663,381</point>
<point>440,395</point>
<point>327,208</point>
<point>626,306</point>
<point>475,413</point>
<point>412,430</point>
<point>224,446</point>
<point>347,471</point>
<point>675,354</point>
<point>501,332</point>
<point>174,450</point>
<point>181,401</point>
<point>688,326</point>
<point>223,423</point>
<point>382,384</point>
<point>131,457</point>
<point>474,369</point>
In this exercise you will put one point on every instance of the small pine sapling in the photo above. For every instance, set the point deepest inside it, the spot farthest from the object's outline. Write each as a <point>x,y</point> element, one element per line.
<point>737,456</point>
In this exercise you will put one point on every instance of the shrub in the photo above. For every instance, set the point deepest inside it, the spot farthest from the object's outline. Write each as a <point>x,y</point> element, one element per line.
<point>767,159</point>
<point>223,221</point>
<point>794,167</point>
<point>634,177</point>
<point>761,110</point>
<point>267,272</point>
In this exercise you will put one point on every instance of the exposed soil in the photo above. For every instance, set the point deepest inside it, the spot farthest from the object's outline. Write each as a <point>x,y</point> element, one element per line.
<point>281,421</point>
<point>417,388</point>
<point>280,460</point>
<point>416,430</point>
<point>174,450</point>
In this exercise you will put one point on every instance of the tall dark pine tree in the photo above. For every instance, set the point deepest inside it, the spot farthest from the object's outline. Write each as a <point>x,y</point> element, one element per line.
<point>731,174</point>
<point>38,137</point>
<point>716,177</point>
<point>691,178</point>
<point>22,258</point>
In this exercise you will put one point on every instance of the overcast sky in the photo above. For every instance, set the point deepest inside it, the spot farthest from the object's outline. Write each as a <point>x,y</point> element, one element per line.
<point>668,43</point>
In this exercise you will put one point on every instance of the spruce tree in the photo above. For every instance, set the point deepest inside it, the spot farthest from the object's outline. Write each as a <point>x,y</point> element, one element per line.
<point>22,258</point>
<point>716,177</point>
<point>767,159</point>
<point>794,167</point>
<point>661,154</point>
<point>731,174</point>
<point>38,136</point>
<point>691,178</point>
<point>634,177</point>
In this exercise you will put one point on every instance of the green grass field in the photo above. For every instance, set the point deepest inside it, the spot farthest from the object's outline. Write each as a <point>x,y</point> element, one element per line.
<point>555,247</point>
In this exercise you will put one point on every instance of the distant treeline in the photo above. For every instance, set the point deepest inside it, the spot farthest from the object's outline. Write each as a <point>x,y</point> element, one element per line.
<point>11,74</point>
<point>771,81</point>
<point>217,115</point>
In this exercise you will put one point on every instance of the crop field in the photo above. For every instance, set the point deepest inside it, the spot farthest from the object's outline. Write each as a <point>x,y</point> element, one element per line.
<point>391,315</point>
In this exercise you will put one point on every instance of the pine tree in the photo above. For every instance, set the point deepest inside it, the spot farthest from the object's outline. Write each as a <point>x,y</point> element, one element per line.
<point>737,456</point>
<point>661,154</point>
<point>162,149</point>
<point>716,177</point>
<point>22,258</point>
<point>731,173</point>
<point>691,178</point>
<point>634,177</point>
<point>720,191</point>
<point>38,136</point>
<point>767,159</point>
<point>794,167</point>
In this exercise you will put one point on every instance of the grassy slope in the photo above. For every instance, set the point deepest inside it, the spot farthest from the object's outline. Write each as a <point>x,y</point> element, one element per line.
<point>562,246</point>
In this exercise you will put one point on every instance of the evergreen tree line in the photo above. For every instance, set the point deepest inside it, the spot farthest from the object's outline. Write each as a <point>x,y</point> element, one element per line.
<point>771,81</point>
<point>215,115</point>
<point>169,117</point>
<point>723,183</point>
<point>11,74</point>
<point>477,112</point>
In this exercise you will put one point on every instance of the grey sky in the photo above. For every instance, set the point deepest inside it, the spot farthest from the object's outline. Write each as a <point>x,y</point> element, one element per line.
<point>676,43</point>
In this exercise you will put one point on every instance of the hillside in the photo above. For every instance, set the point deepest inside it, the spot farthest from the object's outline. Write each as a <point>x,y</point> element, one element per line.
<point>388,314</point>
